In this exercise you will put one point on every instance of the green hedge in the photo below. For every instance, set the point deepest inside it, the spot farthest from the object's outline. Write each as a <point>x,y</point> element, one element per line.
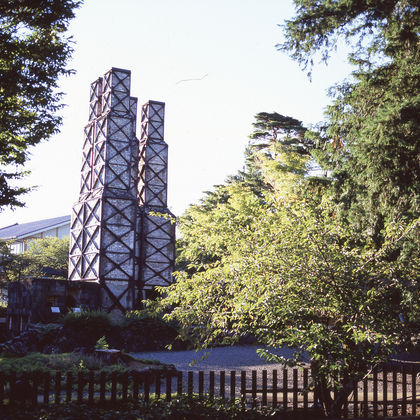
<point>88,322</point>
<point>87,327</point>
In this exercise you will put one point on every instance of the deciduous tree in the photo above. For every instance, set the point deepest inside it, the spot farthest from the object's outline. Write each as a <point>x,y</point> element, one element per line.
<point>34,50</point>
<point>45,257</point>
<point>288,273</point>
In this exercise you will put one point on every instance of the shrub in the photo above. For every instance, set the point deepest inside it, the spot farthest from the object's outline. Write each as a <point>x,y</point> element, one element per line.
<point>139,331</point>
<point>49,363</point>
<point>102,344</point>
<point>177,409</point>
<point>87,327</point>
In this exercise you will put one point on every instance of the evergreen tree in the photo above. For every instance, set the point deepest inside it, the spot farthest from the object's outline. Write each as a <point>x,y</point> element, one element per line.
<point>371,141</point>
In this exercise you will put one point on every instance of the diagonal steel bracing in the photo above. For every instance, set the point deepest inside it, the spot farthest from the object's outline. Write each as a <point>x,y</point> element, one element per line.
<point>158,231</point>
<point>121,233</point>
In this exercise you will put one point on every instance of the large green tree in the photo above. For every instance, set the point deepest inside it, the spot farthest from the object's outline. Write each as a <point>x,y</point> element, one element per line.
<point>331,265</point>
<point>371,138</point>
<point>287,271</point>
<point>276,159</point>
<point>34,50</point>
<point>280,264</point>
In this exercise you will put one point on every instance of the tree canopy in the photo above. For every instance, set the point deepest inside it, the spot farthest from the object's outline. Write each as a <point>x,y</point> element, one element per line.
<point>370,140</point>
<point>286,270</point>
<point>326,264</point>
<point>34,50</point>
<point>45,257</point>
<point>375,29</point>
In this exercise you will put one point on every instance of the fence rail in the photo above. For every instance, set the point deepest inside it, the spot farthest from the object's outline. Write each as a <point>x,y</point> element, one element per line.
<point>388,392</point>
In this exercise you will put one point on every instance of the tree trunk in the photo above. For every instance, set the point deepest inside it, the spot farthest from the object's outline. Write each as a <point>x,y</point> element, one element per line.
<point>332,407</point>
<point>336,408</point>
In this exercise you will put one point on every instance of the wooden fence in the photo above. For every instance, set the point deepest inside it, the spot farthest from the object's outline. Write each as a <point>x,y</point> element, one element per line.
<point>389,392</point>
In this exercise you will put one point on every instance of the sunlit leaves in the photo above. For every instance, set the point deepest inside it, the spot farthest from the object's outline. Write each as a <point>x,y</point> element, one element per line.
<point>34,51</point>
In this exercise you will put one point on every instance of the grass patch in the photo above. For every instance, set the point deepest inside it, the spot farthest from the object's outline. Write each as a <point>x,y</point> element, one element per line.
<point>65,362</point>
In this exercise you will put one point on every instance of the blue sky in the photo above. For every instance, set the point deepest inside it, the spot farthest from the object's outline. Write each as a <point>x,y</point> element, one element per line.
<point>228,44</point>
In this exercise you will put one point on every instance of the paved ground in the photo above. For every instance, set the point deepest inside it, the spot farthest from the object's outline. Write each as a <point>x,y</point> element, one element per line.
<point>220,358</point>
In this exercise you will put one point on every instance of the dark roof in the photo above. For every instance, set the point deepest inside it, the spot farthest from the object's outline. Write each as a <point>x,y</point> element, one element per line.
<point>25,229</point>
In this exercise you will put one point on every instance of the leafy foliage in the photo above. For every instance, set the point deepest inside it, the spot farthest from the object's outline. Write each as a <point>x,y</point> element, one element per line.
<point>37,362</point>
<point>277,159</point>
<point>143,330</point>
<point>102,344</point>
<point>176,409</point>
<point>374,29</point>
<point>45,257</point>
<point>370,142</point>
<point>87,322</point>
<point>285,268</point>
<point>33,55</point>
<point>328,265</point>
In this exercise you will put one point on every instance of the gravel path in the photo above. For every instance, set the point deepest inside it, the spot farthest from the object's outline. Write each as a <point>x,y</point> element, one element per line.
<point>234,358</point>
<point>220,358</point>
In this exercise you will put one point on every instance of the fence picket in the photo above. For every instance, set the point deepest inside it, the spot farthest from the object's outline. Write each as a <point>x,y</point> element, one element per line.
<point>102,388</point>
<point>384,391</point>
<point>356,400</point>
<point>168,387</point>
<point>57,387</point>
<point>47,378</point>
<point>404,391</point>
<point>375,392</point>
<point>223,385</point>
<point>136,383</point>
<point>243,388</point>
<point>285,389</point>
<point>157,386</point>
<point>305,389</point>
<point>394,392</point>
<point>124,386</point>
<point>190,384</point>
<point>346,401</point>
<point>275,384</point>
<point>211,384</point>
<point>264,387</point>
<point>179,384</point>
<point>200,384</point>
<point>80,386</point>
<point>113,387</point>
<point>69,386</point>
<point>295,389</point>
<point>254,388</point>
<point>413,390</point>
<point>232,385</point>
